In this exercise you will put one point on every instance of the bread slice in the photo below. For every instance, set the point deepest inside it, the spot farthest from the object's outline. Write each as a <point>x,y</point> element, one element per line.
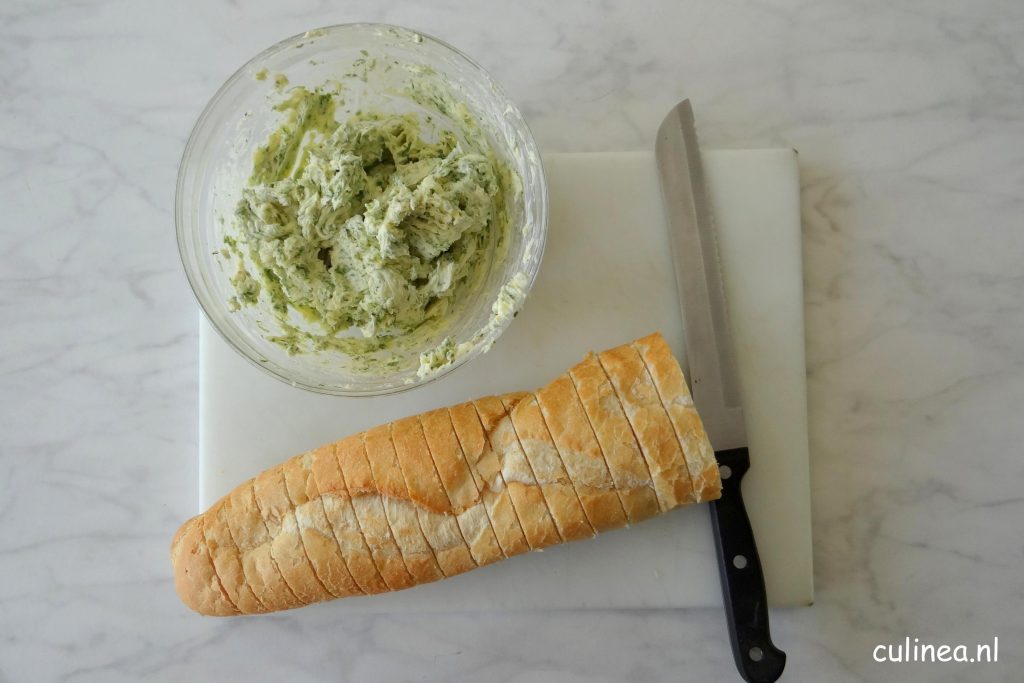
<point>437,519</point>
<point>226,561</point>
<point>486,470</point>
<point>286,543</point>
<point>558,489</point>
<point>253,541</point>
<point>341,516</point>
<point>195,579</point>
<point>316,532</point>
<point>460,487</point>
<point>626,463</point>
<point>527,497</point>
<point>398,507</point>
<point>670,382</point>
<point>366,502</point>
<point>650,423</point>
<point>573,437</point>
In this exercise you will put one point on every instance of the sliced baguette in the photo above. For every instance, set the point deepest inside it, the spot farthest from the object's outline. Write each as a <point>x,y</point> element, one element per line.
<point>443,492</point>
<point>437,520</point>
<point>675,395</point>
<point>558,489</point>
<point>581,454</point>
<point>316,531</point>
<point>226,560</point>
<point>486,470</point>
<point>458,482</point>
<point>527,497</point>
<point>341,517</point>
<point>651,425</point>
<point>626,463</point>
<point>369,510</point>
<point>253,542</point>
<point>398,508</point>
<point>194,577</point>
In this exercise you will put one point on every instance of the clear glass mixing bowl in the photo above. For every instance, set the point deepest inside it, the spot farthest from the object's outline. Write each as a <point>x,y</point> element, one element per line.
<point>218,159</point>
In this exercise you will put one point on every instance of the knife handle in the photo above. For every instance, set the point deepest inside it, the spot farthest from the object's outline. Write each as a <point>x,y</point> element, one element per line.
<point>746,604</point>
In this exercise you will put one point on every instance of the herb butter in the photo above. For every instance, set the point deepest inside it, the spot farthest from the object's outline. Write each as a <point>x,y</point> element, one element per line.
<point>367,234</point>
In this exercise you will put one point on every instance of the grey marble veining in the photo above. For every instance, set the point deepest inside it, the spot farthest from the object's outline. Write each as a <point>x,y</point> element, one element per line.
<point>909,118</point>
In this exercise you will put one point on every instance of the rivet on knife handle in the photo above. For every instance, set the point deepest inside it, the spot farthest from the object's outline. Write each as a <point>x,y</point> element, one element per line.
<point>746,605</point>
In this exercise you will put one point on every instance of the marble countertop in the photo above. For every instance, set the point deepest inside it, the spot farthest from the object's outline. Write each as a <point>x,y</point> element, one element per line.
<point>909,119</point>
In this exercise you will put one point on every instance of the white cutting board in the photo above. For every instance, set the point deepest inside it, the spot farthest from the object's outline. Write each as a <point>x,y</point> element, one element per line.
<point>606,279</point>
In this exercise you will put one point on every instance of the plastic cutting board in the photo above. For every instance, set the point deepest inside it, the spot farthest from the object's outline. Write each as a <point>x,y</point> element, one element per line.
<point>606,279</point>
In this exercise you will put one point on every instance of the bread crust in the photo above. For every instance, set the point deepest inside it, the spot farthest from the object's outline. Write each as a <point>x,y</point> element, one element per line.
<point>398,508</point>
<point>253,542</point>
<point>317,535</point>
<point>341,516</point>
<point>558,489</point>
<point>527,498</point>
<point>437,519</point>
<point>626,463</point>
<point>486,470</point>
<point>675,396</point>
<point>458,483</point>
<point>370,515</point>
<point>650,423</point>
<point>286,545</point>
<point>226,561</point>
<point>577,445</point>
<point>195,579</point>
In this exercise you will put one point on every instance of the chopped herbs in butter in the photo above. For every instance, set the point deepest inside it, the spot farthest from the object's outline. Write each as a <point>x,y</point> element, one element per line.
<point>368,233</point>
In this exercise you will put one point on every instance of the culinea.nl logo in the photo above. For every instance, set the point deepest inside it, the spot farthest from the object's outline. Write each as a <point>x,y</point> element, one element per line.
<point>913,650</point>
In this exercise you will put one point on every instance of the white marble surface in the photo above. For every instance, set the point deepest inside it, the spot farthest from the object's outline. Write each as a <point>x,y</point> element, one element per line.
<point>910,122</point>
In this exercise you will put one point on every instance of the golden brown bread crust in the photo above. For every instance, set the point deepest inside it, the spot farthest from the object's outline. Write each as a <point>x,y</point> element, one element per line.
<point>402,518</point>
<point>286,545</point>
<point>370,515</point>
<point>437,520</point>
<point>446,491</point>
<point>315,530</point>
<point>458,482</point>
<point>650,423</point>
<point>558,489</point>
<point>527,497</point>
<point>341,517</point>
<point>226,561</point>
<point>253,542</point>
<point>194,577</point>
<point>670,382</point>
<point>618,444</point>
<point>486,470</point>
<point>581,454</point>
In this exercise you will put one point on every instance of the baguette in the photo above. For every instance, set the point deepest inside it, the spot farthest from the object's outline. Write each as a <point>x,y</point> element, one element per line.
<point>671,385</point>
<point>402,518</point>
<point>463,494</point>
<point>559,492</point>
<point>341,518</point>
<point>650,424</point>
<point>614,441</point>
<point>626,464</point>
<point>575,441</point>
<point>436,517</point>
<point>527,495</point>
<point>490,484</point>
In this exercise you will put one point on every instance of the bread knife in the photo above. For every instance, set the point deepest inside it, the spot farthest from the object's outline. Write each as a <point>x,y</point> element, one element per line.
<point>711,371</point>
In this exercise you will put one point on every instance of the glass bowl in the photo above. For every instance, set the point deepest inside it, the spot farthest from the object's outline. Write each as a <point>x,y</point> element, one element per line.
<point>218,160</point>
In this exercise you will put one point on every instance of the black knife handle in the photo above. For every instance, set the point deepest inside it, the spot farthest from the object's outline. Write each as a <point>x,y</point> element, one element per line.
<point>746,604</point>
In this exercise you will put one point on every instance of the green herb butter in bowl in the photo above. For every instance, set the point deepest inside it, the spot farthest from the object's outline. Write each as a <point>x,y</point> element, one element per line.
<point>361,209</point>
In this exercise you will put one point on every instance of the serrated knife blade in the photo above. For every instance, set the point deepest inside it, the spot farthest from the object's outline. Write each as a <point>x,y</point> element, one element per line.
<point>710,354</point>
